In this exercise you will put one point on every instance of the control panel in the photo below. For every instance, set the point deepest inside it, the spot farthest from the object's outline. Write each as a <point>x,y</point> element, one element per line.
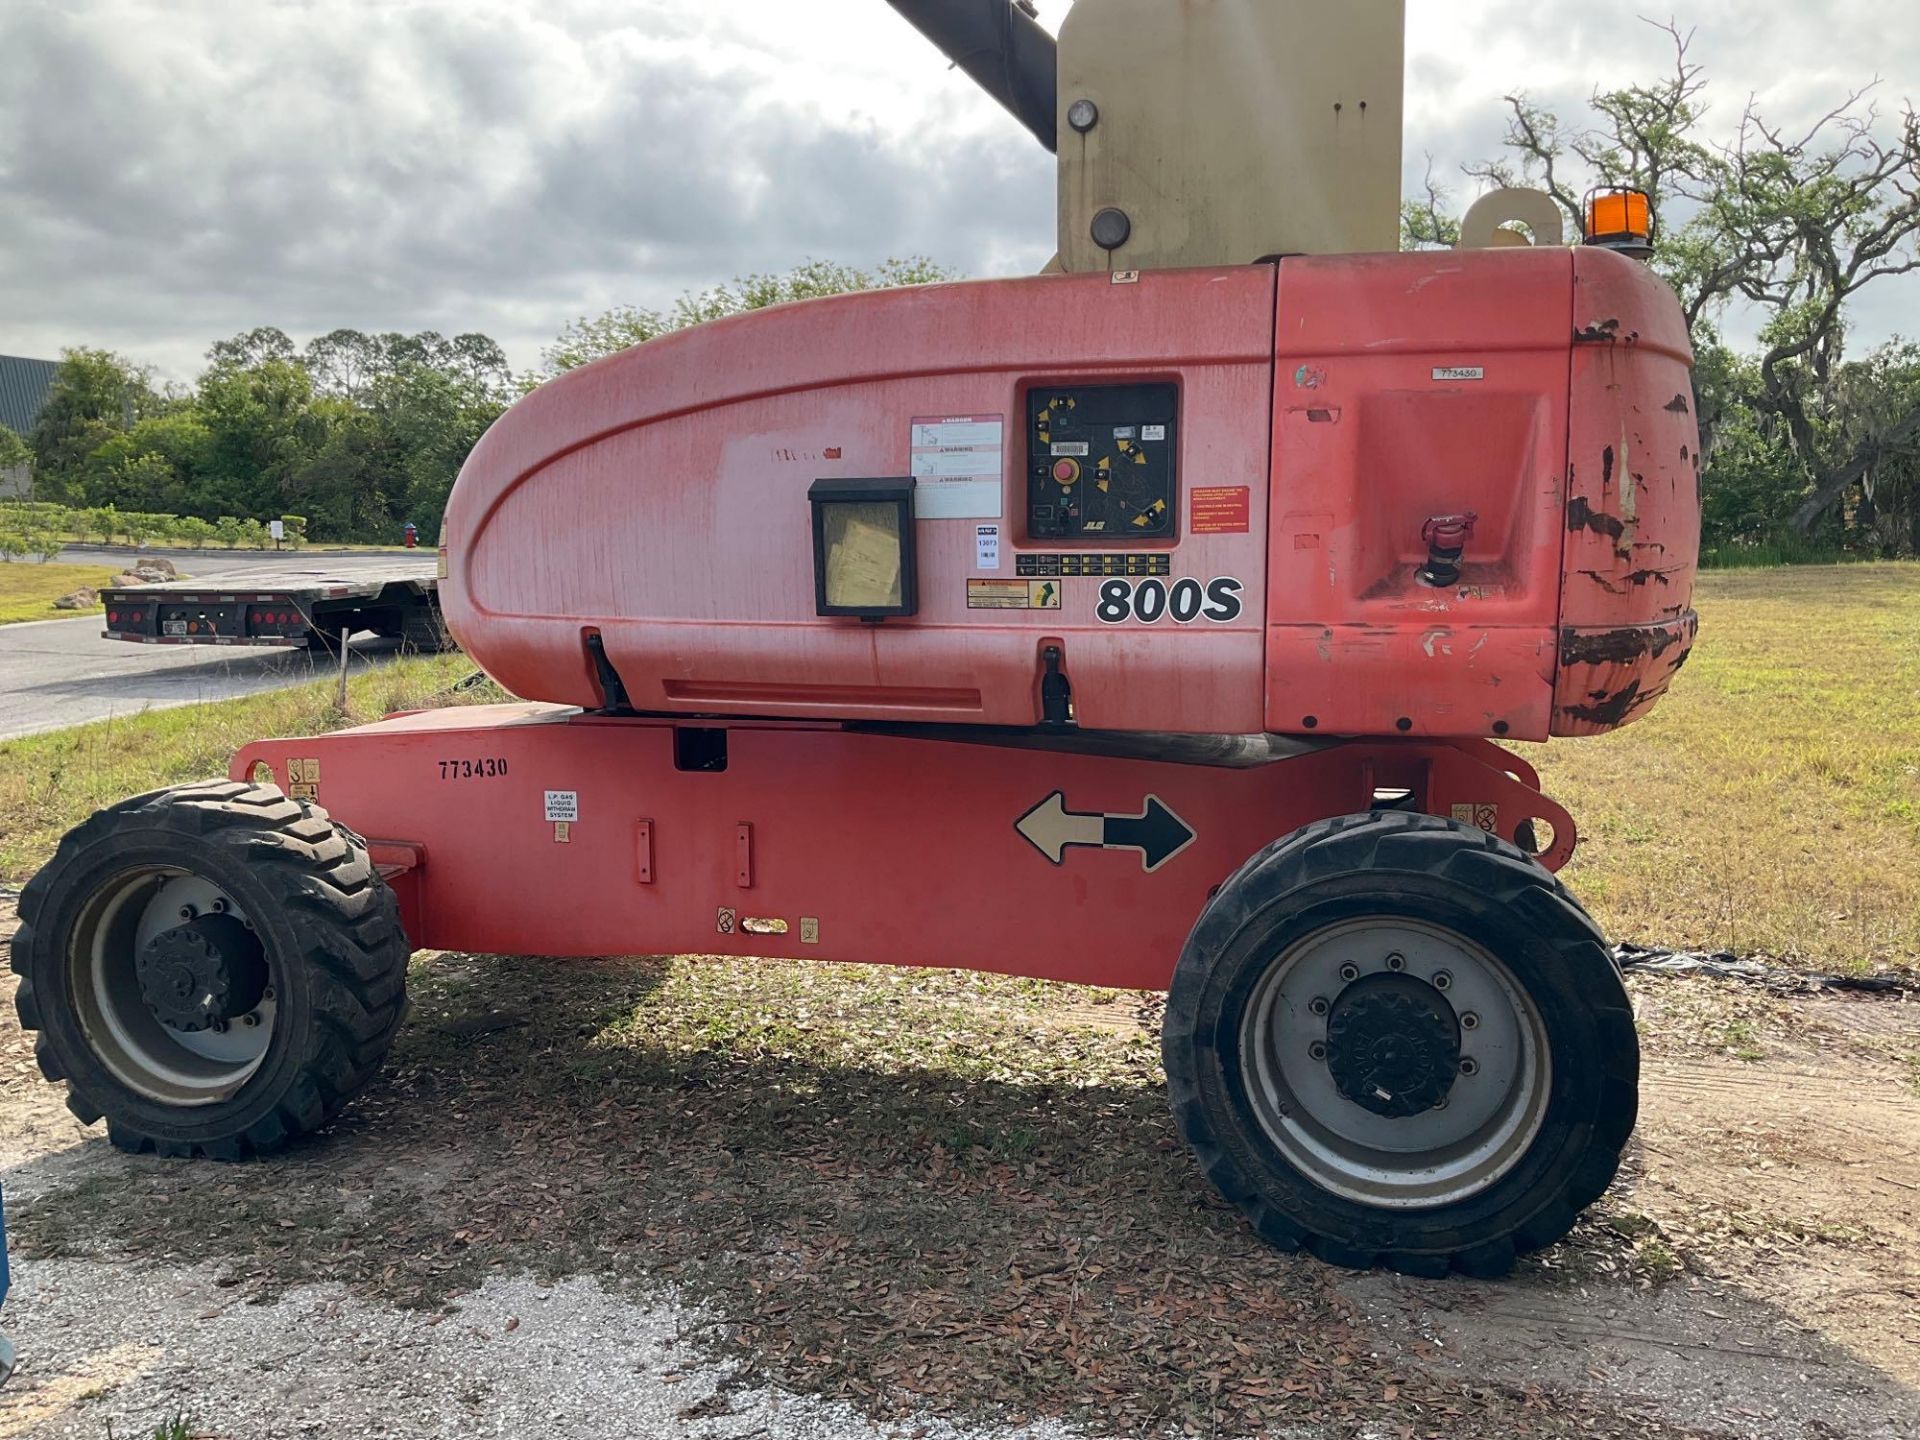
<point>1100,462</point>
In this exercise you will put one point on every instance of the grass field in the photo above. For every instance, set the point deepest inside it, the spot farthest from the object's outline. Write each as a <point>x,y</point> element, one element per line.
<point>1770,804</point>
<point>28,589</point>
<point>51,781</point>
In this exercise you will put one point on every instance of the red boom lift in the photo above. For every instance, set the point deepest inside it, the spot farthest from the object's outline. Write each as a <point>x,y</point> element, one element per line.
<point>1151,622</point>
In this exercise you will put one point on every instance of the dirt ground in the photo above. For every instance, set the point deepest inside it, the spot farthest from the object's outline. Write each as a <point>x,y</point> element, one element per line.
<point>736,1199</point>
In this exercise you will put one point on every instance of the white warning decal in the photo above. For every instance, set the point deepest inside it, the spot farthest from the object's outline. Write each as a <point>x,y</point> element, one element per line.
<point>563,805</point>
<point>956,460</point>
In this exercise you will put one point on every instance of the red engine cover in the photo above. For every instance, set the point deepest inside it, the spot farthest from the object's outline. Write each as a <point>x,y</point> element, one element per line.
<point>1328,409</point>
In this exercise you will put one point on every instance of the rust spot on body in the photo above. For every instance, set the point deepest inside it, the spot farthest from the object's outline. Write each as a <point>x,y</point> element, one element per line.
<point>1582,516</point>
<point>1601,332</point>
<point>1608,709</point>
<point>1622,646</point>
<point>1678,405</point>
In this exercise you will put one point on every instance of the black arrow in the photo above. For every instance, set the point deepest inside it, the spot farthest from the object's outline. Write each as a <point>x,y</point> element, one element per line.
<point>1156,832</point>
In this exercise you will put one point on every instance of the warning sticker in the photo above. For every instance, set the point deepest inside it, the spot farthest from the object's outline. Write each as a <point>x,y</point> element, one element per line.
<point>563,805</point>
<point>1153,432</point>
<point>957,460</point>
<point>1137,563</point>
<point>1221,510</point>
<point>1013,595</point>
<point>303,779</point>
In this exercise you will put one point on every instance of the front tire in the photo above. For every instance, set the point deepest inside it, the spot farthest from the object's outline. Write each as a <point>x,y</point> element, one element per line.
<point>214,968</point>
<point>1396,1040</point>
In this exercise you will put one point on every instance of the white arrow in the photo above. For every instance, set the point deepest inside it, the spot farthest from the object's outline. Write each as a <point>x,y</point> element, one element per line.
<point>1051,827</point>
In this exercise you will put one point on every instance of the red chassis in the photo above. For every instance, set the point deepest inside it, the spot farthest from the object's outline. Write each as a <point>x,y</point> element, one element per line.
<point>831,842</point>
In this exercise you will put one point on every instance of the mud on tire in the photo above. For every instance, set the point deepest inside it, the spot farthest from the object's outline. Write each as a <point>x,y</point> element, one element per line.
<point>321,962</point>
<point>1286,1161</point>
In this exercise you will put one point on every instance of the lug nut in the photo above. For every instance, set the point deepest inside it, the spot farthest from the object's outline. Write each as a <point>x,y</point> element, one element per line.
<point>250,1020</point>
<point>1349,973</point>
<point>1469,1021</point>
<point>1317,1051</point>
<point>219,1027</point>
<point>219,907</point>
<point>187,912</point>
<point>1443,980</point>
<point>1469,1065</point>
<point>1396,962</point>
<point>1318,1005</point>
<point>1441,1103</point>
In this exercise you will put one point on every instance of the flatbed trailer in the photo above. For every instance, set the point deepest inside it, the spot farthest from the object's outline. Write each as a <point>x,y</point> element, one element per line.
<point>305,606</point>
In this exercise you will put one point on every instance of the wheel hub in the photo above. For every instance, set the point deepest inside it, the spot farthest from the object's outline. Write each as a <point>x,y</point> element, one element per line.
<point>203,974</point>
<point>1393,1045</point>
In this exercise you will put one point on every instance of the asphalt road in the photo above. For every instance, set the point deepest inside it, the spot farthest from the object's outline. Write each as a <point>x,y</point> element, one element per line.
<point>55,673</point>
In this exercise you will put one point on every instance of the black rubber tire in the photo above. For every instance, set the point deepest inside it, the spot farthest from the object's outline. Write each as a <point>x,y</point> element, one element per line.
<point>1441,872</point>
<point>335,949</point>
<point>422,630</point>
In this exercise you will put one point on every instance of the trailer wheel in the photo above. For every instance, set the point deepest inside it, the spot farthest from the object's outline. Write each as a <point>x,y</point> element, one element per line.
<point>423,630</point>
<point>214,968</point>
<point>1395,1040</point>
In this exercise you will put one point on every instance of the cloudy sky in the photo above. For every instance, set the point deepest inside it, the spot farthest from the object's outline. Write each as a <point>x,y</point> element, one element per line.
<point>174,171</point>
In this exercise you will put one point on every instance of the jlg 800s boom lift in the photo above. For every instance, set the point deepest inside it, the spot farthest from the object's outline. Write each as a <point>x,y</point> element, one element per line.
<point>1150,622</point>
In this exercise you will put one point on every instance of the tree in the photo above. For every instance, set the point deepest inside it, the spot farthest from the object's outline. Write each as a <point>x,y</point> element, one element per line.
<point>254,347</point>
<point>1794,225</point>
<point>342,362</point>
<point>13,450</point>
<point>261,424</point>
<point>624,326</point>
<point>95,395</point>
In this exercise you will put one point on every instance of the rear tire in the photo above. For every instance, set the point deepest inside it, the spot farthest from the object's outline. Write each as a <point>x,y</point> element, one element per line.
<point>214,969</point>
<point>1393,1039</point>
<point>423,630</point>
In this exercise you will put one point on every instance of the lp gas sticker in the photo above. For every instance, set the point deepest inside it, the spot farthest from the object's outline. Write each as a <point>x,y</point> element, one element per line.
<point>1187,600</point>
<point>1156,832</point>
<point>563,805</point>
<point>1013,594</point>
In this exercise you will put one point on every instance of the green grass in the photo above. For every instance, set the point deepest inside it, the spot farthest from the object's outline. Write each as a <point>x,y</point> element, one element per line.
<point>28,588</point>
<point>1771,802</point>
<point>1775,550</point>
<point>50,782</point>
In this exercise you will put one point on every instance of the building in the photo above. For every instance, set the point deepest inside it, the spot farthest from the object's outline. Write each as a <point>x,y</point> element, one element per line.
<point>24,385</point>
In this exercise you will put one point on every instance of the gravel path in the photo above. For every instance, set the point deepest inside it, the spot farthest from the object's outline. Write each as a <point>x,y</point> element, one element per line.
<point>564,1362</point>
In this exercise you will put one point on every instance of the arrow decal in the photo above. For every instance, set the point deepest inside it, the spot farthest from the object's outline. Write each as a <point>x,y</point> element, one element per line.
<point>1156,832</point>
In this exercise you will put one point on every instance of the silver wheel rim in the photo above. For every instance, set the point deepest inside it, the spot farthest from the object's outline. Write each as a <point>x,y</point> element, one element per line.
<point>166,1065</point>
<point>1489,1117</point>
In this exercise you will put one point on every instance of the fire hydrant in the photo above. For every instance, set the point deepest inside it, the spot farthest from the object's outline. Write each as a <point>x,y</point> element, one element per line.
<point>413,535</point>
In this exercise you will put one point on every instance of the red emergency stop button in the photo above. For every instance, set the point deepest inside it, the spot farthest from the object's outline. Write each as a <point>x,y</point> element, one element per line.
<point>1066,471</point>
